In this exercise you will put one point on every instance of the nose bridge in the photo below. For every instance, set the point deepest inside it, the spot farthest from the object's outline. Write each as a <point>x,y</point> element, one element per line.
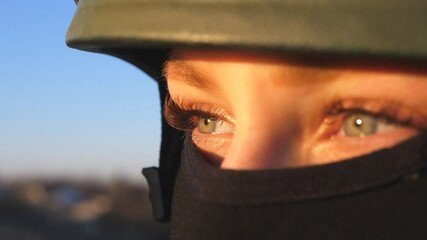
<point>266,118</point>
<point>260,151</point>
<point>267,136</point>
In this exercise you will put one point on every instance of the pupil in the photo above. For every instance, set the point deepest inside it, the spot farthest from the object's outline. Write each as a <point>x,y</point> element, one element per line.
<point>358,123</point>
<point>206,121</point>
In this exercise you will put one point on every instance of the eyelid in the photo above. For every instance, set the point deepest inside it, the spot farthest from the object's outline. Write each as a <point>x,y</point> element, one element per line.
<point>386,110</point>
<point>179,114</point>
<point>334,114</point>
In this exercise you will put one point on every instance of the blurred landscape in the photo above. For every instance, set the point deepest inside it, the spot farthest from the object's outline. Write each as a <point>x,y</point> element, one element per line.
<point>61,209</point>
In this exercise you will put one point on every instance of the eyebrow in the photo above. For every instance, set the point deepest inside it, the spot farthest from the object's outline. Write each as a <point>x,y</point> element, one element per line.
<point>188,74</point>
<point>191,75</point>
<point>304,69</point>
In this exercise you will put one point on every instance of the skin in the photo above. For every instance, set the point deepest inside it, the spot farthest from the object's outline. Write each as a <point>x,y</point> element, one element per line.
<point>288,111</point>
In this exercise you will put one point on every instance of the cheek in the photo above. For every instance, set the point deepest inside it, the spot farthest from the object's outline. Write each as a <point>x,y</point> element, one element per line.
<point>341,147</point>
<point>213,147</point>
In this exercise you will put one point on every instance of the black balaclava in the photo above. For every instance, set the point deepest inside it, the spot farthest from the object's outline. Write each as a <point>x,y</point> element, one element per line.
<point>382,195</point>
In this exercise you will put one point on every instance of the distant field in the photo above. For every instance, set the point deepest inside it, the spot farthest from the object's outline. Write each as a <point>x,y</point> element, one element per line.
<point>66,210</point>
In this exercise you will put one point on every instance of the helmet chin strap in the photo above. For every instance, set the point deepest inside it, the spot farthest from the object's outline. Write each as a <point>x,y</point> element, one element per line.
<point>161,180</point>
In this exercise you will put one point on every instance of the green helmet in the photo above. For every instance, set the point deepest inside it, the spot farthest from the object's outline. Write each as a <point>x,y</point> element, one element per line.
<point>390,28</point>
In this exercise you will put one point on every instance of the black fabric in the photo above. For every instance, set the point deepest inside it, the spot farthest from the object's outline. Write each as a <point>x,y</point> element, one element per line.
<point>171,146</point>
<point>151,62</point>
<point>378,196</point>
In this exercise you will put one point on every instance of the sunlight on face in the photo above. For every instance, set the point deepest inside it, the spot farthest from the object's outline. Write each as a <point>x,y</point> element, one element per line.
<point>249,110</point>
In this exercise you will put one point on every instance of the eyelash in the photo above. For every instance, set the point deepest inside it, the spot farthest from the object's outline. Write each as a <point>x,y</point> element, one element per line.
<point>386,111</point>
<point>180,114</point>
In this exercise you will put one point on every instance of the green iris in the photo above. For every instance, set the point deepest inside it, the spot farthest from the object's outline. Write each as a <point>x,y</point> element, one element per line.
<point>360,124</point>
<point>206,125</point>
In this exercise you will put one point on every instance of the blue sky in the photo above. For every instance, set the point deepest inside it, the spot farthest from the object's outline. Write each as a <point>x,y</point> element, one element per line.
<point>65,112</point>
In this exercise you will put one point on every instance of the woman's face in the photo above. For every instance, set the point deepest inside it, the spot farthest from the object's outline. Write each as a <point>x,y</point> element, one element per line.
<point>250,111</point>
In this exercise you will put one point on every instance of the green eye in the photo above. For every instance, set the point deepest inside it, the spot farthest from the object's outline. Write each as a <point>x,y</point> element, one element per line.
<point>206,125</point>
<point>360,124</point>
<point>210,125</point>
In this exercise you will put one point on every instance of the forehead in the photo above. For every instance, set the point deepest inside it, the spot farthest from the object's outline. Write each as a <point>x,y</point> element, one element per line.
<point>185,58</point>
<point>199,65</point>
